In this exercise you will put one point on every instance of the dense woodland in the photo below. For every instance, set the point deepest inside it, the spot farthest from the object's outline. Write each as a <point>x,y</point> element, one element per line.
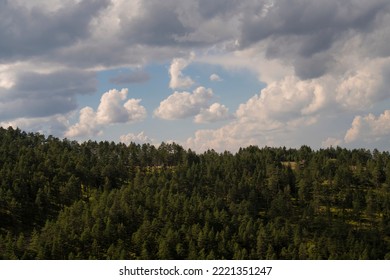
<point>61,199</point>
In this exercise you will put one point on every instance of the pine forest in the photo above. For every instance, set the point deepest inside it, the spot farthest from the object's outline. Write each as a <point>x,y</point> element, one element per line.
<point>61,199</point>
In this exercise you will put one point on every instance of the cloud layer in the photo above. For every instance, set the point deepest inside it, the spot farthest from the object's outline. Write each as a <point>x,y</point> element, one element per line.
<point>315,60</point>
<point>131,78</point>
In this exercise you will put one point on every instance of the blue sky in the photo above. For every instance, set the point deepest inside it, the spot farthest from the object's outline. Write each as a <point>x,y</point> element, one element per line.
<point>218,74</point>
<point>153,87</point>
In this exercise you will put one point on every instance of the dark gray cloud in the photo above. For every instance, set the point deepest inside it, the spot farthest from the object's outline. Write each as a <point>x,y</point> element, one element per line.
<point>33,108</point>
<point>130,78</point>
<point>162,29</point>
<point>157,25</point>
<point>66,82</point>
<point>304,32</point>
<point>26,32</point>
<point>317,42</point>
<point>180,24</point>
<point>315,19</point>
<point>313,67</point>
<point>212,8</point>
<point>41,95</point>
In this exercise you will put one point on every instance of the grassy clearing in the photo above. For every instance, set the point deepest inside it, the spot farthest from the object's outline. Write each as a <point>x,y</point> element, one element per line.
<point>292,164</point>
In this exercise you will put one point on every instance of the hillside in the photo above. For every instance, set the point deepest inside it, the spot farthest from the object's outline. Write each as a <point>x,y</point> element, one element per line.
<point>61,199</point>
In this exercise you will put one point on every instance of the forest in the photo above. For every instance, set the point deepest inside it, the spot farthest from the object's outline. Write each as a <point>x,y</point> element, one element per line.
<point>61,199</point>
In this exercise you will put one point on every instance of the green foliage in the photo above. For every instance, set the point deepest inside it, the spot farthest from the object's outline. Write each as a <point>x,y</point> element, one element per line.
<point>60,199</point>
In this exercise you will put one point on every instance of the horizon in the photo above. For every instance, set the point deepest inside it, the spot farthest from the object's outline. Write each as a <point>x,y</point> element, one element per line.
<point>157,145</point>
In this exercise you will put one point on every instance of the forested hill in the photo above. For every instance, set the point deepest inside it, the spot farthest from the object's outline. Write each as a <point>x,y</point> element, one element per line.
<point>60,199</point>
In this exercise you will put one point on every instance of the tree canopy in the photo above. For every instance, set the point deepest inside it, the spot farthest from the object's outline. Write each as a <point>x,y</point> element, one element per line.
<point>61,199</point>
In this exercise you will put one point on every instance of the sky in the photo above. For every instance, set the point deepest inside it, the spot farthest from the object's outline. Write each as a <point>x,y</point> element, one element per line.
<point>206,74</point>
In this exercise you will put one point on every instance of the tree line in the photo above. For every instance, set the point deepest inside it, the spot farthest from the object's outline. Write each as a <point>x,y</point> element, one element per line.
<point>61,199</point>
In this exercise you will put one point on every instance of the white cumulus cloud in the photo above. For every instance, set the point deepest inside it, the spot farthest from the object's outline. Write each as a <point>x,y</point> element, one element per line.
<point>275,116</point>
<point>365,86</point>
<point>284,100</point>
<point>181,105</point>
<point>331,142</point>
<point>178,79</point>
<point>113,108</point>
<point>369,128</point>
<point>139,138</point>
<point>215,78</point>
<point>216,112</point>
<point>87,125</point>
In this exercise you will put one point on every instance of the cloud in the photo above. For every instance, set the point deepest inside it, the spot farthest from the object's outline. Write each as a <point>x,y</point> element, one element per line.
<point>216,112</point>
<point>53,125</point>
<point>288,111</point>
<point>284,100</point>
<point>139,138</point>
<point>244,132</point>
<point>130,78</point>
<point>218,8</point>
<point>156,24</point>
<point>313,58</point>
<point>71,81</point>
<point>87,32</point>
<point>318,24</point>
<point>178,80</point>
<point>309,35</point>
<point>289,106</point>
<point>33,31</point>
<point>252,60</point>
<point>219,140</point>
<point>32,94</point>
<point>365,86</point>
<point>276,116</point>
<point>331,142</point>
<point>181,105</point>
<point>111,110</point>
<point>30,108</point>
<point>87,125</point>
<point>315,66</point>
<point>369,128</point>
<point>215,78</point>
<point>7,79</point>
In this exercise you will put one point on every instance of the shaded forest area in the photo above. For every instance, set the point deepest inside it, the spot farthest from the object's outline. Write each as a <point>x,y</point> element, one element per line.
<point>61,199</point>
